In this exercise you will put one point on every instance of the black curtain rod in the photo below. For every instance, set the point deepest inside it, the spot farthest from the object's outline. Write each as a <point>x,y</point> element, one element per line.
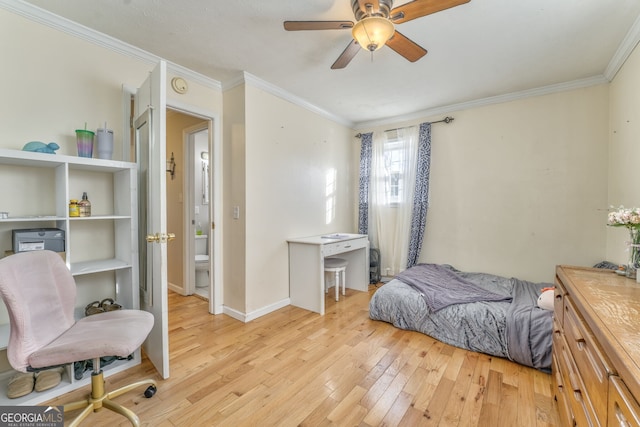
<point>446,120</point>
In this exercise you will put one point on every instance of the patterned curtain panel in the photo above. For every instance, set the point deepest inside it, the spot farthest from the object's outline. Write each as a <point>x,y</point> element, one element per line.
<point>421,195</point>
<point>365,173</point>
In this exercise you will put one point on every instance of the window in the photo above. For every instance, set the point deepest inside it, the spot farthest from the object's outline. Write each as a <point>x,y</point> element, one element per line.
<point>393,176</point>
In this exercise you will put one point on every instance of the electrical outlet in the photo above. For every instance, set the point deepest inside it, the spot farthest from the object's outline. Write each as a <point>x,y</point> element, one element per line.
<point>236,212</point>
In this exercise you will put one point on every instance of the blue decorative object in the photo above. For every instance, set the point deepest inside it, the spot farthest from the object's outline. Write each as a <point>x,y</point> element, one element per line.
<point>41,147</point>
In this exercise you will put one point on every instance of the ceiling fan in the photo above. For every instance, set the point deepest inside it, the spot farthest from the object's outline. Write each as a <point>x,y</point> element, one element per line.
<point>375,27</point>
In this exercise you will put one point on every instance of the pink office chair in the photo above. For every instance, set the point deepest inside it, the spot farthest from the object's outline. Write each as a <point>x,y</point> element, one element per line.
<point>39,292</point>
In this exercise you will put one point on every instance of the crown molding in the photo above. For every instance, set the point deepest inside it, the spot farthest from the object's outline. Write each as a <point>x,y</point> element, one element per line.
<point>625,49</point>
<point>251,80</point>
<point>513,96</point>
<point>65,25</point>
<point>44,17</point>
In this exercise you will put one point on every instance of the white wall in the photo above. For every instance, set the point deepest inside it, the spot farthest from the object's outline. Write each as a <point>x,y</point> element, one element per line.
<point>234,195</point>
<point>624,150</point>
<point>59,82</point>
<point>292,155</point>
<point>519,187</point>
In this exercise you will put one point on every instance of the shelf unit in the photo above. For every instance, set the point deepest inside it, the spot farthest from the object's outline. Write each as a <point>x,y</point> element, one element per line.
<point>101,251</point>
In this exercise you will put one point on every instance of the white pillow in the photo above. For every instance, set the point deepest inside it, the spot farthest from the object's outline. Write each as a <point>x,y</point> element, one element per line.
<point>545,300</point>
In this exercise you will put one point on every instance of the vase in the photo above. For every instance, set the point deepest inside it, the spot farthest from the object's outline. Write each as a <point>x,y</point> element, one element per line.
<point>634,253</point>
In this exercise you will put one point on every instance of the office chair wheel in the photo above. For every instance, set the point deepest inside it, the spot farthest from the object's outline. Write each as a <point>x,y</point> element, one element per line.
<point>150,391</point>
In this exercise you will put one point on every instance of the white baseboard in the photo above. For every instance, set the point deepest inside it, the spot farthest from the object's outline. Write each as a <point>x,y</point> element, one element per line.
<point>248,317</point>
<point>177,289</point>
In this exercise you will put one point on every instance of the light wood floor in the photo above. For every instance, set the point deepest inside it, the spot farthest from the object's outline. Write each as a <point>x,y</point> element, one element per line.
<point>296,368</point>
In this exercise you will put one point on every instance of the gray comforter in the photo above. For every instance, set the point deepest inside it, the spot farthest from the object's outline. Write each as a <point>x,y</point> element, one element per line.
<point>513,328</point>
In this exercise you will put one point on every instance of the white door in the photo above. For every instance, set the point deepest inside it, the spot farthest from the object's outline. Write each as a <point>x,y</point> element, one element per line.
<point>150,105</point>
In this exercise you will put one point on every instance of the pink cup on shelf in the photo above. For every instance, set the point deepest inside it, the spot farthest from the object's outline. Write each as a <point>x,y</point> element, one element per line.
<point>85,142</point>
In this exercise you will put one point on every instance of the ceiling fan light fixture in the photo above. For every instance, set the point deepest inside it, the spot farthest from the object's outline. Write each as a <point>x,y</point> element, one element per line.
<point>373,32</point>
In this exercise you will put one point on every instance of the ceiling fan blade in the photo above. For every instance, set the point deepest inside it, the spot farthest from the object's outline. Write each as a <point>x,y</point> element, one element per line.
<point>405,47</point>
<point>417,8</point>
<point>317,25</point>
<point>346,56</point>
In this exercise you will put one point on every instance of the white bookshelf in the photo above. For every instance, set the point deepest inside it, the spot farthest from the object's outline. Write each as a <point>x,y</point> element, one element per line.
<point>101,251</point>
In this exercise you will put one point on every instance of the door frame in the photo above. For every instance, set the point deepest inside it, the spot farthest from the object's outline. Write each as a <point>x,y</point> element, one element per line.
<point>215,184</point>
<point>215,197</point>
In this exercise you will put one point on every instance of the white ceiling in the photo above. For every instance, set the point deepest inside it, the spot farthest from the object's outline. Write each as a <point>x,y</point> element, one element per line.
<point>477,50</point>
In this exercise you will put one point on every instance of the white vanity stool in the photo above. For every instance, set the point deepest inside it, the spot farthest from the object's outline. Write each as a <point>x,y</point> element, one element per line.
<point>339,267</point>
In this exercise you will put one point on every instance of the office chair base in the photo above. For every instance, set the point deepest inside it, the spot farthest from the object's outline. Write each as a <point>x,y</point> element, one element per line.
<point>99,399</point>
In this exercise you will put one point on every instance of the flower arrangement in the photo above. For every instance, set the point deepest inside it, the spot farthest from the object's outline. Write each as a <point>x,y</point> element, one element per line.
<point>624,217</point>
<point>629,218</point>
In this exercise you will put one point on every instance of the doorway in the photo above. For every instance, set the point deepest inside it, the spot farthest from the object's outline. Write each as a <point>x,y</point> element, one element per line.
<point>189,210</point>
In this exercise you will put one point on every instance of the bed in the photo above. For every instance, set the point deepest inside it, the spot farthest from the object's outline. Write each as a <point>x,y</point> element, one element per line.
<point>481,312</point>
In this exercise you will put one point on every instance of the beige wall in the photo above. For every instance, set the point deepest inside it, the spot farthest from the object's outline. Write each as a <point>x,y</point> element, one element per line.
<point>624,150</point>
<point>519,187</point>
<point>59,82</point>
<point>281,157</point>
<point>292,156</point>
<point>234,195</point>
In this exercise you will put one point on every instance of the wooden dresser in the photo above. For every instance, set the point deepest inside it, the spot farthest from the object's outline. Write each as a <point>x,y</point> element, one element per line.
<point>596,348</point>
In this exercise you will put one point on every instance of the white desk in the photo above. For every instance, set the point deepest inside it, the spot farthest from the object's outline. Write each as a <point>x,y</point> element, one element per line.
<point>306,266</point>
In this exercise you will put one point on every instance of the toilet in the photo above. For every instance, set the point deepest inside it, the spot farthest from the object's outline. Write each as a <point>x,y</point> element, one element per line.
<point>202,261</point>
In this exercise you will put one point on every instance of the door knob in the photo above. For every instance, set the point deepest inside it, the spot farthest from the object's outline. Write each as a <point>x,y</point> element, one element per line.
<point>153,238</point>
<point>160,237</point>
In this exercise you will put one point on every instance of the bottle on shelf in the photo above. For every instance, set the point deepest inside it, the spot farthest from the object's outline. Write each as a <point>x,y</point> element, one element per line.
<point>84,205</point>
<point>74,209</point>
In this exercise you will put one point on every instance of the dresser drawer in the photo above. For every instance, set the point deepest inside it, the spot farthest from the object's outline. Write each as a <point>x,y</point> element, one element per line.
<point>575,391</point>
<point>624,410</point>
<point>560,393</point>
<point>594,368</point>
<point>345,246</point>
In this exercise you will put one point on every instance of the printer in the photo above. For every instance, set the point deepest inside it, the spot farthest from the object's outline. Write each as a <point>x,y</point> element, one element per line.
<point>38,239</point>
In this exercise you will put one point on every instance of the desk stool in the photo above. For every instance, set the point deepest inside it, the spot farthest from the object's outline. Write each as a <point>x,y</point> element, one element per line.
<point>339,267</point>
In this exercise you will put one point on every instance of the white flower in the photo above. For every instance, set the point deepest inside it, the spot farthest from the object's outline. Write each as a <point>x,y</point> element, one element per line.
<point>626,217</point>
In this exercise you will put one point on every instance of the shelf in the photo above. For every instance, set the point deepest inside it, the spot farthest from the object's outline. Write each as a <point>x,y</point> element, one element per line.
<point>40,218</point>
<point>65,386</point>
<point>89,267</point>
<point>34,397</point>
<point>98,217</point>
<point>44,160</point>
<point>38,187</point>
<point>34,218</point>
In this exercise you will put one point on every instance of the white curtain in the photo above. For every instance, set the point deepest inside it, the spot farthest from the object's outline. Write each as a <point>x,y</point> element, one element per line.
<point>393,175</point>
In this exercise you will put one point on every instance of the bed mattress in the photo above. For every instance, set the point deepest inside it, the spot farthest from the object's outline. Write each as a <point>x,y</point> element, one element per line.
<point>515,328</point>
